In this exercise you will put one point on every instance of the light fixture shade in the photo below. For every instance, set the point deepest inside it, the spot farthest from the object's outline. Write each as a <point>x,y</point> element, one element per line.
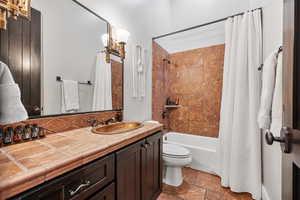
<point>122,35</point>
<point>105,38</point>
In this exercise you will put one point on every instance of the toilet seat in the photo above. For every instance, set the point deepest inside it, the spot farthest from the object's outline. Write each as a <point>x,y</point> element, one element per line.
<point>175,151</point>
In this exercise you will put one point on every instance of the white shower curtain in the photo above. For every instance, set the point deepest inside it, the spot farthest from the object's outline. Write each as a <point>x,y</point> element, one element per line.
<point>240,139</point>
<point>102,99</point>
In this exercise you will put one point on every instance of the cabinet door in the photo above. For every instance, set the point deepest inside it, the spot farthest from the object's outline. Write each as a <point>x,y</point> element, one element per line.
<point>128,172</point>
<point>106,194</point>
<point>151,169</point>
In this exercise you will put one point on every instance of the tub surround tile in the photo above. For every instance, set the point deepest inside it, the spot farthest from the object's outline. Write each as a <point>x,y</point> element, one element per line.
<point>200,185</point>
<point>22,168</point>
<point>195,76</point>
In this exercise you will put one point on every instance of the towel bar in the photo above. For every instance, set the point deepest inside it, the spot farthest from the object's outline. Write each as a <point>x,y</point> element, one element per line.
<point>59,79</point>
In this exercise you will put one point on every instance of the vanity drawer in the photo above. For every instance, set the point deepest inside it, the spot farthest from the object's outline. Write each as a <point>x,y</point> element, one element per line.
<point>106,194</point>
<point>93,177</point>
<point>79,184</point>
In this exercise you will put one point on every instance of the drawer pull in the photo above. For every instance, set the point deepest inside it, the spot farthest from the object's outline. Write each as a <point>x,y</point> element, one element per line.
<point>86,184</point>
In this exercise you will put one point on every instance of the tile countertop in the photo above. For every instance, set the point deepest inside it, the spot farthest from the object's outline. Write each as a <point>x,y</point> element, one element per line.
<point>25,165</point>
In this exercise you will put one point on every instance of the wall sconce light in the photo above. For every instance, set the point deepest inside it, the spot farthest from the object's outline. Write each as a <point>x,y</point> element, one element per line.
<point>13,9</point>
<point>115,42</point>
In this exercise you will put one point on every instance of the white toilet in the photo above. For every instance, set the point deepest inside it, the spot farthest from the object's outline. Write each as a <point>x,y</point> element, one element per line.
<point>175,158</point>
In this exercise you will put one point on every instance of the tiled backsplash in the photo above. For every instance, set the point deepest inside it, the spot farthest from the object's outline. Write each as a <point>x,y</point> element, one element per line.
<point>66,123</point>
<point>195,77</point>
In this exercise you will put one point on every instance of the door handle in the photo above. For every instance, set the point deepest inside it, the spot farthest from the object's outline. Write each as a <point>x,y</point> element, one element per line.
<point>285,139</point>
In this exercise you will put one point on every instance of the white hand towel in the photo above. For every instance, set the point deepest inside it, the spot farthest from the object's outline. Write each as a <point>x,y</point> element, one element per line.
<point>134,71</point>
<point>140,71</point>
<point>70,96</point>
<point>144,74</point>
<point>268,87</point>
<point>140,59</point>
<point>277,100</point>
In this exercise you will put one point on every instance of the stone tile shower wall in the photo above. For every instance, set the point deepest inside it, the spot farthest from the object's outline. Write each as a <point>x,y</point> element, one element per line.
<point>195,76</point>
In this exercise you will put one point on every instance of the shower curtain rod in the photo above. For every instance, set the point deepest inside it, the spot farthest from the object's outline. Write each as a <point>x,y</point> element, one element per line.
<point>201,25</point>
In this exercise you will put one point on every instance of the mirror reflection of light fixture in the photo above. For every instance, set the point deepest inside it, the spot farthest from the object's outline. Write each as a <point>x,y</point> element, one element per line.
<point>115,42</point>
<point>105,41</point>
<point>13,9</point>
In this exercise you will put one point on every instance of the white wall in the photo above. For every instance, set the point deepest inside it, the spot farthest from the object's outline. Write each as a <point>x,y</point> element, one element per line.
<point>189,13</point>
<point>71,37</point>
<point>142,18</point>
<point>210,35</point>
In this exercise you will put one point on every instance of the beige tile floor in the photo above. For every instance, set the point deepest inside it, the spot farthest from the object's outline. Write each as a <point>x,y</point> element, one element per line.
<point>199,185</point>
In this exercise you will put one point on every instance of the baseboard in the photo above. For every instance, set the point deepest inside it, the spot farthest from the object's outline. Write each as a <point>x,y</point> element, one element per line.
<point>265,195</point>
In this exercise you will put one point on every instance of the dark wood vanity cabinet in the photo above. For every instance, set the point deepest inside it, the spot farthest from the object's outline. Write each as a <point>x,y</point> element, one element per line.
<point>107,194</point>
<point>132,173</point>
<point>151,167</point>
<point>81,184</point>
<point>139,170</point>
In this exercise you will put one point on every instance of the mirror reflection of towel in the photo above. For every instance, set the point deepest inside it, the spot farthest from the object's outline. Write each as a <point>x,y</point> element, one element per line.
<point>102,99</point>
<point>12,109</point>
<point>70,96</point>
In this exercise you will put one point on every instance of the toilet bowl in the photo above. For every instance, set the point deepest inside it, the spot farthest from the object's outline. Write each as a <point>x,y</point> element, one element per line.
<point>175,158</point>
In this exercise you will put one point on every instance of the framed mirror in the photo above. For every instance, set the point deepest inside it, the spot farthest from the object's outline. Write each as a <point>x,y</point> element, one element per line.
<point>57,58</point>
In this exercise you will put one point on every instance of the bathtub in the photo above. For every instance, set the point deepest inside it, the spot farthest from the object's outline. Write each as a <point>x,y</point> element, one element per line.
<point>203,150</point>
